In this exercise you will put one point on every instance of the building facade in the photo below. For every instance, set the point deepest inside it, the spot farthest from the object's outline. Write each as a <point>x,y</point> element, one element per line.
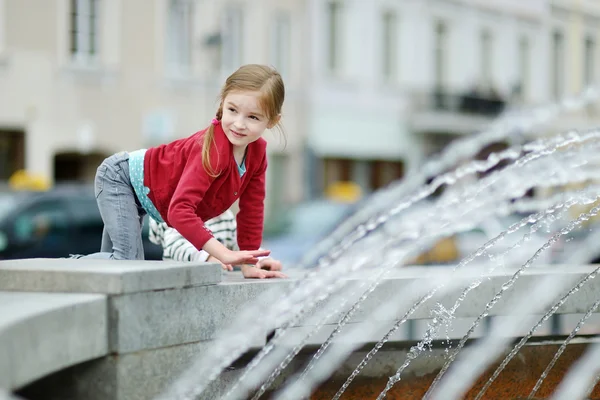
<point>393,82</point>
<point>81,79</point>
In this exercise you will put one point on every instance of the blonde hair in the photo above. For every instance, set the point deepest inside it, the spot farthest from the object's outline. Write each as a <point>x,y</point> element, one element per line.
<point>250,77</point>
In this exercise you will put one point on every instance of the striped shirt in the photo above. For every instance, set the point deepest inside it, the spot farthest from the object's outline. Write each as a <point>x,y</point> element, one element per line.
<point>177,248</point>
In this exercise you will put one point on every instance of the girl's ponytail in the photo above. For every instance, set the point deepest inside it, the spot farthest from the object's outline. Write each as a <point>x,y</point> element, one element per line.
<point>209,142</point>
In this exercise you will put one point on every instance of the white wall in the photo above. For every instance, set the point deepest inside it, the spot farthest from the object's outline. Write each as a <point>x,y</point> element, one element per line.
<point>359,94</point>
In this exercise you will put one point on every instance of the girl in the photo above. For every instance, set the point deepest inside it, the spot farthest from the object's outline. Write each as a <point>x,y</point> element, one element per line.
<point>191,180</point>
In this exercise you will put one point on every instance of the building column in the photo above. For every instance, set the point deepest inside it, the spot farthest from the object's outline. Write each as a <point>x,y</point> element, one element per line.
<point>110,33</point>
<point>574,73</point>
<point>2,28</point>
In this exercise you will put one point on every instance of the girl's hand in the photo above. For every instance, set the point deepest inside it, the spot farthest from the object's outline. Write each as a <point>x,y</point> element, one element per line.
<point>226,267</point>
<point>242,257</point>
<point>251,272</point>
<point>269,264</point>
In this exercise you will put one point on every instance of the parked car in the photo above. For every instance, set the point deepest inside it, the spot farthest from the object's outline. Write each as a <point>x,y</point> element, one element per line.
<point>307,233</point>
<point>300,229</point>
<point>55,223</point>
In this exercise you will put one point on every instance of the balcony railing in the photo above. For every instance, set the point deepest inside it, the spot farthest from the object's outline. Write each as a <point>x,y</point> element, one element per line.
<point>461,103</point>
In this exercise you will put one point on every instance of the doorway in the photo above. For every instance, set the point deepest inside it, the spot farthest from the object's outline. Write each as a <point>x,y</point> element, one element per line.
<point>12,152</point>
<point>76,167</point>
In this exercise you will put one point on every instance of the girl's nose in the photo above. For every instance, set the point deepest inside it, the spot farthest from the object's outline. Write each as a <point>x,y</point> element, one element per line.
<point>239,124</point>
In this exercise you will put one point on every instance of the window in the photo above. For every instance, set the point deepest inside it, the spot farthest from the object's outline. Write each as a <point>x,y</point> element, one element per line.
<point>440,55</point>
<point>557,64</point>
<point>281,42</point>
<point>84,29</point>
<point>334,42</point>
<point>524,67</point>
<point>486,54</point>
<point>233,38</point>
<point>179,34</point>
<point>390,45</point>
<point>2,26</point>
<point>589,65</point>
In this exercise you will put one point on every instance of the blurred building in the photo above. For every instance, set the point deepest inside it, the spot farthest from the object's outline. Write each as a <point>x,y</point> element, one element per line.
<point>393,82</point>
<point>81,79</point>
<point>574,60</point>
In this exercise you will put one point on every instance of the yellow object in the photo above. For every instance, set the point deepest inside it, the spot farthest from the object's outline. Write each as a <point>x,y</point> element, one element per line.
<point>443,251</point>
<point>345,192</point>
<point>21,180</point>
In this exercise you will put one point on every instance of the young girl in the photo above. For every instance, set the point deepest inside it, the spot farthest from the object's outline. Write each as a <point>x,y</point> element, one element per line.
<point>191,180</point>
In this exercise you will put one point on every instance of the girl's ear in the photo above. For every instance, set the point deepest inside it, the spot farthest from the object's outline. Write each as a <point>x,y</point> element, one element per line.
<point>274,122</point>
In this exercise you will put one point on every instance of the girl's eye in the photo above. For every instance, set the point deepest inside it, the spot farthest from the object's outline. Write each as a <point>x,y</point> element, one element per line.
<point>231,109</point>
<point>253,117</point>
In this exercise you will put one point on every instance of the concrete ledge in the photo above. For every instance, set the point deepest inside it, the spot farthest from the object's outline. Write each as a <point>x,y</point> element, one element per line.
<point>149,320</point>
<point>103,276</point>
<point>160,315</point>
<point>41,333</point>
<point>135,376</point>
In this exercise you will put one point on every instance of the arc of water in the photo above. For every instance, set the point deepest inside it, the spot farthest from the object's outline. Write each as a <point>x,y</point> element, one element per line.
<point>533,204</point>
<point>563,347</point>
<point>347,316</point>
<point>581,377</point>
<point>449,179</point>
<point>585,250</point>
<point>548,314</point>
<point>416,350</point>
<point>219,362</point>
<point>467,147</point>
<point>412,296</point>
<point>582,217</point>
<point>479,252</point>
<point>325,343</point>
<point>473,361</point>
<point>463,295</point>
<point>378,346</point>
<point>240,387</point>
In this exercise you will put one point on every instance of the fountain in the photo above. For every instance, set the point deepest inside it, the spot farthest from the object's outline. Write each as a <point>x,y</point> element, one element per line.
<point>357,321</point>
<point>379,239</point>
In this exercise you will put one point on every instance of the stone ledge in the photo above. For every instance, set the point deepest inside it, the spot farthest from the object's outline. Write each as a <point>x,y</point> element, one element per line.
<point>103,276</point>
<point>41,333</point>
<point>150,320</point>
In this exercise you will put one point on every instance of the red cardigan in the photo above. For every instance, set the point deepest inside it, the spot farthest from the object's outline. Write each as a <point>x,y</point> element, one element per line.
<point>186,196</point>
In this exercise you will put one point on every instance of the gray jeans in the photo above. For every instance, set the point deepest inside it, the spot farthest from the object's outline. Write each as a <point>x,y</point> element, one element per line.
<point>120,209</point>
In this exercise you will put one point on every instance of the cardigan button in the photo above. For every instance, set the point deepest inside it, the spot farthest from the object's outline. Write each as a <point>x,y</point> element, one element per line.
<point>235,193</point>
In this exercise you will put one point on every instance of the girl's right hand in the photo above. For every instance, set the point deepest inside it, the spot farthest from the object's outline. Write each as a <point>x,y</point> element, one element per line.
<point>243,256</point>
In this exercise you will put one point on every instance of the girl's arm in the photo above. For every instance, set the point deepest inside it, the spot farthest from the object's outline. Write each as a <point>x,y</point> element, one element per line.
<point>178,248</point>
<point>230,257</point>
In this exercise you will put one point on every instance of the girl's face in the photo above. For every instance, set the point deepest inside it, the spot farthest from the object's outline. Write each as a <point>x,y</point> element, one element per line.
<point>243,119</point>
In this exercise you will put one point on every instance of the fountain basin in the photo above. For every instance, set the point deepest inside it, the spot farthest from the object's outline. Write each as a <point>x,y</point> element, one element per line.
<point>161,316</point>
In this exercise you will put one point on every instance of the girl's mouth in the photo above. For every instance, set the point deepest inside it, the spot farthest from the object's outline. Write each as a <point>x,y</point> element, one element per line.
<point>238,135</point>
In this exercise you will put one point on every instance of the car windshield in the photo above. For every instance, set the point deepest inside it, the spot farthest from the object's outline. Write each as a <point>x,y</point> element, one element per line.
<point>7,204</point>
<point>316,218</point>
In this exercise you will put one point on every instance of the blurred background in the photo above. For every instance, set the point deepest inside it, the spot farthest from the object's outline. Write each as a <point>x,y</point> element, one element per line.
<point>374,88</point>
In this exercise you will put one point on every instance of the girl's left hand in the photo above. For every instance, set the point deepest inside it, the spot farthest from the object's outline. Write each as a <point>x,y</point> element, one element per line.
<point>269,264</point>
<point>226,267</point>
<point>252,272</point>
